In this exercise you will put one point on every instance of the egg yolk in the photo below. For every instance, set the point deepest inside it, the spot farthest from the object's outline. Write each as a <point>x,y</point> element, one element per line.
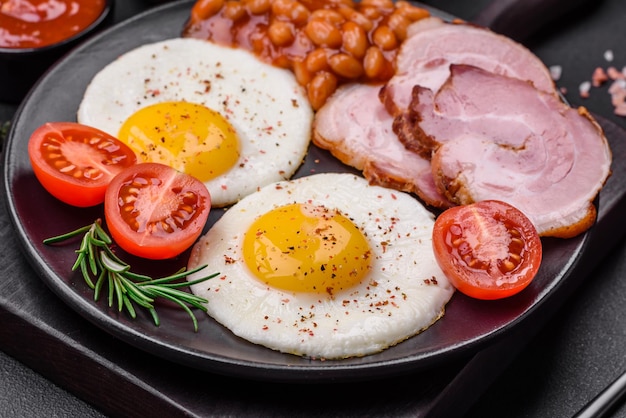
<point>186,136</point>
<point>306,248</point>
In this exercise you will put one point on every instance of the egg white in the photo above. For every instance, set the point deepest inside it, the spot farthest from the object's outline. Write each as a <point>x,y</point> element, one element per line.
<point>403,294</point>
<point>265,104</point>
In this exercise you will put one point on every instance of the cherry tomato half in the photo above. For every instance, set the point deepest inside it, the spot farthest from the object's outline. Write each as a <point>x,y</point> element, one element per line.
<point>154,211</point>
<point>75,163</point>
<point>488,250</point>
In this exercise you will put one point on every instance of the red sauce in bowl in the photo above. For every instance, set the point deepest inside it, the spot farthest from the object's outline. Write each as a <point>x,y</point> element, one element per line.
<point>38,23</point>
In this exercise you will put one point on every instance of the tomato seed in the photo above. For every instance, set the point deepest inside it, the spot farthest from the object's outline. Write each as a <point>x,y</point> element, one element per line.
<point>508,265</point>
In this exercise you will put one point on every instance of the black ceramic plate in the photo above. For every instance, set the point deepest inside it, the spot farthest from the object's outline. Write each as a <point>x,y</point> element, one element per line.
<point>467,326</point>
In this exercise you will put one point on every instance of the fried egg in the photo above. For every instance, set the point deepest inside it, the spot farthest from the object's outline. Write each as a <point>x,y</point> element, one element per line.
<point>217,113</point>
<point>325,266</point>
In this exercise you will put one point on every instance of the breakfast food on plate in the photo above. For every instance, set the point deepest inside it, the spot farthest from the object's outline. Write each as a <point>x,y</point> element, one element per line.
<point>324,42</point>
<point>433,44</point>
<point>513,140</point>
<point>331,265</point>
<point>424,57</point>
<point>154,211</point>
<point>217,113</point>
<point>488,249</point>
<point>325,266</point>
<point>357,129</point>
<point>535,152</point>
<point>76,163</point>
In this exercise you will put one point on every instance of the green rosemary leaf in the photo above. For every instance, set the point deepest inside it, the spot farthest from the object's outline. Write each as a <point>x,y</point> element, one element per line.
<point>113,265</point>
<point>156,320</point>
<point>66,236</point>
<point>99,283</point>
<point>103,236</point>
<point>85,273</point>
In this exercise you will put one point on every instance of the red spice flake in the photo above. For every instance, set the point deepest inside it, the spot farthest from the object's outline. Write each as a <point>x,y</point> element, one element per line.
<point>394,197</point>
<point>229,260</point>
<point>265,328</point>
<point>224,187</point>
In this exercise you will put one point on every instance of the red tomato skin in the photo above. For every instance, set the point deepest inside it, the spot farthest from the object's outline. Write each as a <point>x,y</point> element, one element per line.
<point>478,283</point>
<point>155,246</point>
<point>75,191</point>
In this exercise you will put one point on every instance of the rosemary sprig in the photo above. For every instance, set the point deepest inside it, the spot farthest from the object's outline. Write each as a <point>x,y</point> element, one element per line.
<point>100,266</point>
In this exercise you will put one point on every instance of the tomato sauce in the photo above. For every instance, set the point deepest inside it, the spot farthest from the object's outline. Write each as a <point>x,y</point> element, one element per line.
<point>38,23</point>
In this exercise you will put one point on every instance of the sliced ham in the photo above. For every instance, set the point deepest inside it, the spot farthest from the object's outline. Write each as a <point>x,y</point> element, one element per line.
<point>356,128</point>
<point>432,45</point>
<point>497,137</point>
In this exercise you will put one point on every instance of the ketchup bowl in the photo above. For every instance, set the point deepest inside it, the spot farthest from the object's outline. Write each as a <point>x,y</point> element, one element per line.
<point>34,34</point>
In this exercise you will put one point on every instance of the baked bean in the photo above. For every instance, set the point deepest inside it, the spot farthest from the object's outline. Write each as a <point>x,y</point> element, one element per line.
<point>258,7</point>
<point>317,60</point>
<point>281,33</point>
<point>323,43</point>
<point>303,76</point>
<point>291,10</point>
<point>346,66</point>
<point>399,24</point>
<point>354,39</point>
<point>234,10</point>
<point>371,13</point>
<point>373,62</point>
<point>282,61</point>
<point>356,17</point>
<point>410,11</point>
<point>384,38</point>
<point>378,4</point>
<point>320,88</point>
<point>323,33</point>
<point>282,7</point>
<point>329,15</point>
<point>348,3</point>
<point>204,9</point>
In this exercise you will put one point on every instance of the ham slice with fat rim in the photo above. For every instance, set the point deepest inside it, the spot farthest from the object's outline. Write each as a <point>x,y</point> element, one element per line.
<point>496,137</point>
<point>356,128</point>
<point>432,45</point>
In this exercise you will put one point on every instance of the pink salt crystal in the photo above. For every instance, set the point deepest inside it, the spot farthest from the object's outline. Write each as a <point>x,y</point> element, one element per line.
<point>614,73</point>
<point>620,110</point>
<point>584,88</point>
<point>555,72</point>
<point>599,77</point>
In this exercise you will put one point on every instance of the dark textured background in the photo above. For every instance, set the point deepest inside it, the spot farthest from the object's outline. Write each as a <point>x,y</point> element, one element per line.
<point>579,351</point>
